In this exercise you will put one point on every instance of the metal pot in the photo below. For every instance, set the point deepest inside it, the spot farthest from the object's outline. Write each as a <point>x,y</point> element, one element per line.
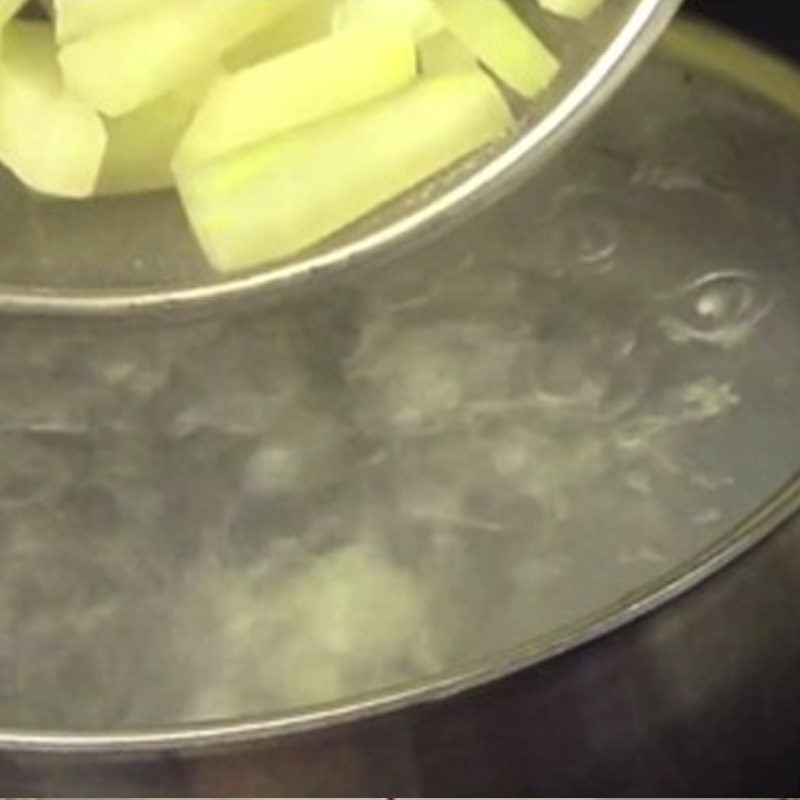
<point>699,696</point>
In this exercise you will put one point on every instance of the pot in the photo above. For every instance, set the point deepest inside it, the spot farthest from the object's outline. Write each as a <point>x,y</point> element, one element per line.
<point>563,443</point>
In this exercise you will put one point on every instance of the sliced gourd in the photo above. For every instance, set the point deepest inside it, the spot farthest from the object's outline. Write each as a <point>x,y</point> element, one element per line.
<point>120,67</point>
<point>51,141</point>
<point>420,17</point>
<point>310,21</point>
<point>502,42</point>
<point>575,9</point>
<point>76,18</point>
<point>318,118</point>
<point>444,53</point>
<point>7,10</point>
<point>304,85</point>
<point>274,199</point>
<point>142,144</point>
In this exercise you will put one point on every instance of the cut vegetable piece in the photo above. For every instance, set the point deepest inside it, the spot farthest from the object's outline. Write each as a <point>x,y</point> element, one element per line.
<point>274,199</point>
<point>502,42</point>
<point>420,17</point>
<point>76,18</point>
<point>52,142</point>
<point>121,67</point>
<point>575,9</point>
<point>312,20</point>
<point>7,10</point>
<point>142,144</point>
<point>309,83</point>
<point>444,53</point>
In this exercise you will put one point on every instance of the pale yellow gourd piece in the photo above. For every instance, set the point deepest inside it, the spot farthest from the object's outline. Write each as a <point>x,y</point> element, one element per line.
<point>75,18</point>
<point>51,141</point>
<point>574,9</point>
<point>420,17</point>
<point>444,53</point>
<point>142,144</point>
<point>304,85</point>
<point>120,67</point>
<point>7,10</point>
<point>502,42</point>
<point>275,199</point>
<point>310,21</point>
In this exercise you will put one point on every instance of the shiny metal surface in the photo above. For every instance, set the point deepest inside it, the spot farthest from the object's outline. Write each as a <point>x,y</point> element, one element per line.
<point>131,255</point>
<point>699,697</point>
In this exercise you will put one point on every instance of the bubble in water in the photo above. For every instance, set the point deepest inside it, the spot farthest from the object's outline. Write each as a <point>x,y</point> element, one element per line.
<point>299,452</point>
<point>721,308</point>
<point>424,378</point>
<point>702,399</point>
<point>630,376</point>
<point>597,370</point>
<point>568,377</point>
<point>585,234</point>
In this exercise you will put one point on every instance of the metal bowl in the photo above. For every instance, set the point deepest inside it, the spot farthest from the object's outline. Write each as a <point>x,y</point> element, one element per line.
<point>118,256</point>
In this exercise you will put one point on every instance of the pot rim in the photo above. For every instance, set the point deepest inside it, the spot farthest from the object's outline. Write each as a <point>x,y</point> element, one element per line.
<point>753,530</point>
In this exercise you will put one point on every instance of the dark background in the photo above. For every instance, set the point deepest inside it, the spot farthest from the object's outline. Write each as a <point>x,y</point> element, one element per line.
<point>775,22</point>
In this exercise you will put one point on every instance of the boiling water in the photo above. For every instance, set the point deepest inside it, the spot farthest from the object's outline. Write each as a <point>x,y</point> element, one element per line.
<point>425,464</point>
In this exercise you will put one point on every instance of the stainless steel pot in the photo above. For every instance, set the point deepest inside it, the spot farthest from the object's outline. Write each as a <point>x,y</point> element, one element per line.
<point>699,696</point>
